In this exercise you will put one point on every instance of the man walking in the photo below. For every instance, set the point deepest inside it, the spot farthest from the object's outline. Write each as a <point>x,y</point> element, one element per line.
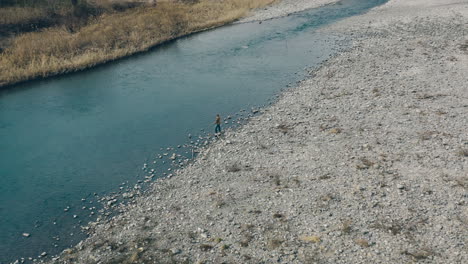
<point>218,124</point>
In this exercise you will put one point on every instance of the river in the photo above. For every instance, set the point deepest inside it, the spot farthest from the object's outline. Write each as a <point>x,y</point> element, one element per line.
<point>66,140</point>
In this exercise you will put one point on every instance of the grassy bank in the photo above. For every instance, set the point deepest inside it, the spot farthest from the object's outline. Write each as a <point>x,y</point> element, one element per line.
<point>110,36</point>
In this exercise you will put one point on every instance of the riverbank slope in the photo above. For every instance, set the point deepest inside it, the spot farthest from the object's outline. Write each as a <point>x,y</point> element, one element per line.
<point>54,47</point>
<point>366,161</point>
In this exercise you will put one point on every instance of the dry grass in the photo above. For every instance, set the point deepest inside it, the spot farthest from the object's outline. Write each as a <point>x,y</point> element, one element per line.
<point>392,227</point>
<point>335,130</point>
<point>426,135</point>
<point>276,178</point>
<point>246,239</point>
<point>362,242</point>
<point>112,36</point>
<point>463,152</point>
<point>206,247</point>
<point>364,164</point>
<point>346,226</point>
<point>32,11</point>
<point>464,46</point>
<point>312,239</point>
<point>462,182</point>
<point>274,243</point>
<point>420,253</point>
<point>278,215</point>
<point>233,168</point>
<point>16,15</point>
<point>284,128</point>
<point>34,16</point>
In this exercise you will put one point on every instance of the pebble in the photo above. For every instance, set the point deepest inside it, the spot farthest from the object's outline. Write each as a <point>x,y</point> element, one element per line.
<point>175,251</point>
<point>276,195</point>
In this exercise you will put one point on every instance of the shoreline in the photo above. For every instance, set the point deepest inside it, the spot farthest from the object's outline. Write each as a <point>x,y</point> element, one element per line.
<point>269,12</point>
<point>43,54</point>
<point>364,161</point>
<point>284,8</point>
<point>106,62</point>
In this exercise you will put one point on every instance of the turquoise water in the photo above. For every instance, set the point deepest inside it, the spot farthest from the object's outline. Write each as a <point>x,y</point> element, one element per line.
<point>68,138</point>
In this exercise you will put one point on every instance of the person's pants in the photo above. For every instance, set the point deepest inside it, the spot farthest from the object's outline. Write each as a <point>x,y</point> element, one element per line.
<point>218,128</point>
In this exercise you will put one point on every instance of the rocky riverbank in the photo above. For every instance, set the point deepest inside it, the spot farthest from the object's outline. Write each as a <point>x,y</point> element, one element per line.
<point>284,8</point>
<point>364,162</point>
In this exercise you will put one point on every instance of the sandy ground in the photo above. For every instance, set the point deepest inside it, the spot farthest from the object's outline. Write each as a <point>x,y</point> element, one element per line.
<point>364,162</point>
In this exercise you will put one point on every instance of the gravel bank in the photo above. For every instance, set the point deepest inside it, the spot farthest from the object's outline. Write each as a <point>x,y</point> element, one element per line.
<point>365,162</point>
<point>284,8</point>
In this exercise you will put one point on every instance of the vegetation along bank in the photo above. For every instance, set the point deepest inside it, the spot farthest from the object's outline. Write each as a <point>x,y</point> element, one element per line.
<point>39,39</point>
